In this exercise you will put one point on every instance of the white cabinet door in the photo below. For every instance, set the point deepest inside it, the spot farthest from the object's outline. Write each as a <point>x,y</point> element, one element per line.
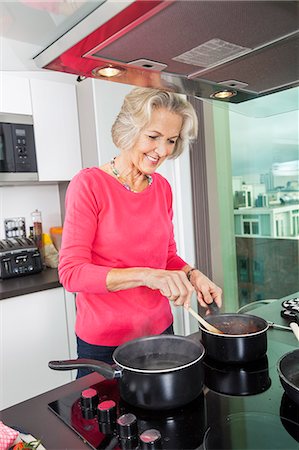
<point>56,129</point>
<point>14,94</point>
<point>33,332</point>
<point>70,306</point>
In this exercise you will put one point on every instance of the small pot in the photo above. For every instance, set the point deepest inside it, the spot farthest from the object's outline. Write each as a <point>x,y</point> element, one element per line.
<point>157,372</point>
<point>244,338</point>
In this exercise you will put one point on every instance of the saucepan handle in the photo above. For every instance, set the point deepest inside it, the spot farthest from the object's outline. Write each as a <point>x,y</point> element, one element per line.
<point>214,308</point>
<point>98,366</point>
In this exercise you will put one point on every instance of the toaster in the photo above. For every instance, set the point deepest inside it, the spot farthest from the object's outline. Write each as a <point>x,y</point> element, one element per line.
<point>18,257</point>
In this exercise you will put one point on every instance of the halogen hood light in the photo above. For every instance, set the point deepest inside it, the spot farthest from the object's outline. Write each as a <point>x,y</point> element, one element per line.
<point>224,94</point>
<point>108,71</point>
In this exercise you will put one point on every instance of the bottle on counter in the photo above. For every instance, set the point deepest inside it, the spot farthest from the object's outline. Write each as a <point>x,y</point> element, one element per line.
<point>36,217</point>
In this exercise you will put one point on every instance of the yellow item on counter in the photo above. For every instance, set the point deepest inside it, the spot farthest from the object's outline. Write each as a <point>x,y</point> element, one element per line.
<point>51,255</point>
<point>56,235</point>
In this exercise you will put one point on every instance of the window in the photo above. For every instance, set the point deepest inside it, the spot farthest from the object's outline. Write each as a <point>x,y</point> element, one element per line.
<point>251,227</point>
<point>255,227</point>
<point>258,272</point>
<point>243,269</point>
<point>279,225</point>
<point>264,142</point>
<point>246,227</point>
<point>295,223</point>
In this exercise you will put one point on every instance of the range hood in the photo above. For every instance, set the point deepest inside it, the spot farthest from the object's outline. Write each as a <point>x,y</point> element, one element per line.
<point>199,48</point>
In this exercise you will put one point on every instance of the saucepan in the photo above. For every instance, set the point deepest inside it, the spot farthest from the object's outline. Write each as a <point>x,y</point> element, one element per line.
<point>243,337</point>
<point>288,371</point>
<point>155,372</point>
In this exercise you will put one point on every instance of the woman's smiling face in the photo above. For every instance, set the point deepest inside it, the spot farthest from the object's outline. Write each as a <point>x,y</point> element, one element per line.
<point>156,141</point>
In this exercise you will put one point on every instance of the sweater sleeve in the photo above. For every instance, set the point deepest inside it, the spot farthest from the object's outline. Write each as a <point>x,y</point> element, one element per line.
<point>174,261</point>
<point>77,272</point>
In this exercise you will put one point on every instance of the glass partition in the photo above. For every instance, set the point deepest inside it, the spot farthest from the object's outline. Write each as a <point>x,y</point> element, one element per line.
<point>264,148</point>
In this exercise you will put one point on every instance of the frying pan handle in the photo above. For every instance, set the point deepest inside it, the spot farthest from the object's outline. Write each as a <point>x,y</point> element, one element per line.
<point>98,366</point>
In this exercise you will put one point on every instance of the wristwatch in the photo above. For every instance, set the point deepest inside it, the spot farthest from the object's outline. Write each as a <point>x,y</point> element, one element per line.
<point>189,273</point>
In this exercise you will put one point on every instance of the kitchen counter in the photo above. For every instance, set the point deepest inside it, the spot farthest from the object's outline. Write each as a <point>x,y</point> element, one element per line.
<point>13,287</point>
<point>35,417</point>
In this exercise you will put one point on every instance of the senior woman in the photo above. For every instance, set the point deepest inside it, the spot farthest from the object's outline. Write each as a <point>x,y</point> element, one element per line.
<point>118,250</point>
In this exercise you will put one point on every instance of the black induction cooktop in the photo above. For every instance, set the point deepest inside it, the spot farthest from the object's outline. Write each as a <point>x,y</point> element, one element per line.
<point>240,407</point>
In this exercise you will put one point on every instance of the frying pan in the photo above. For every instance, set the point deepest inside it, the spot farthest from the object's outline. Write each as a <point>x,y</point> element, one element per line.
<point>288,371</point>
<point>156,372</point>
<point>244,337</point>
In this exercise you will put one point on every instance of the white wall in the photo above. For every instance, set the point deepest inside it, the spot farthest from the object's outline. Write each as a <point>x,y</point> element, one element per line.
<point>108,97</point>
<point>20,201</point>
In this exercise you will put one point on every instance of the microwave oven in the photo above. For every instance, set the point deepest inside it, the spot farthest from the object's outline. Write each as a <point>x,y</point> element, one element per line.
<point>17,152</point>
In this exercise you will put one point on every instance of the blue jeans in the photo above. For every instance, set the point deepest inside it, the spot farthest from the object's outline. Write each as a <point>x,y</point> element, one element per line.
<point>99,352</point>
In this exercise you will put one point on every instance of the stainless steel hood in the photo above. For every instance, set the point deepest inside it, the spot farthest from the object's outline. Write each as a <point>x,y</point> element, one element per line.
<point>194,47</point>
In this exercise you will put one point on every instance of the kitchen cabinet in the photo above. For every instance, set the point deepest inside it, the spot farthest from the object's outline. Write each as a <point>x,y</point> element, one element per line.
<point>56,129</point>
<point>14,95</point>
<point>34,329</point>
<point>70,307</point>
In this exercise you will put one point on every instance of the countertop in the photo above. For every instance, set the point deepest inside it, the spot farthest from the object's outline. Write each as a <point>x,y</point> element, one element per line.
<point>47,279</point>
<point>34,416</point>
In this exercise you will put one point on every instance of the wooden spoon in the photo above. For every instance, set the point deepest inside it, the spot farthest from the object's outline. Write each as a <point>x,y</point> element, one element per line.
<point>206,324</point>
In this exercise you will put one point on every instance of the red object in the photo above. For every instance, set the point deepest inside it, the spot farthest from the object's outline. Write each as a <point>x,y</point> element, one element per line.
<point>72,61</point>
<point>107,226</point>
<point>107,404</point>
<point>7,436</point>
<point>19,446</point>
<point>108,391</point>
<point>89,393</point>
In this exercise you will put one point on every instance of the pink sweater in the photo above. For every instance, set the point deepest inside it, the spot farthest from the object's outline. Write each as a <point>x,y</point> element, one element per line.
<point>106,226</point>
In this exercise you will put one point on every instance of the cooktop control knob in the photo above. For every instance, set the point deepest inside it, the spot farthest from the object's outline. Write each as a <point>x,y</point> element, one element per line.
<point>89,401</point>
<point>150,440</point>
<point>127,425</point>
<point>127,431</point>
<point>106,412</point>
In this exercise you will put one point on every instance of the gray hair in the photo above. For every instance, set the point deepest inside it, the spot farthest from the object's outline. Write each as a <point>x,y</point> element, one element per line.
<point>136,113</point>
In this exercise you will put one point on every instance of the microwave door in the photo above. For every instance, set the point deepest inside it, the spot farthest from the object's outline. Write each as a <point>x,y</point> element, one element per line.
<point>7,161</point>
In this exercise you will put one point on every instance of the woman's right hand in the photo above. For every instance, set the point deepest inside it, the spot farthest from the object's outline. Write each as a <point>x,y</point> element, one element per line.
<point>173,284</point>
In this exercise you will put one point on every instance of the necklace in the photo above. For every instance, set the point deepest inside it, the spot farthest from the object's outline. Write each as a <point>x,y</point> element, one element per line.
<point>118,176</point>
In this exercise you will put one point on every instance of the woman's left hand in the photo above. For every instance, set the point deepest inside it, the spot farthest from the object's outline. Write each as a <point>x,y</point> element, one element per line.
<point>206,290</point>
